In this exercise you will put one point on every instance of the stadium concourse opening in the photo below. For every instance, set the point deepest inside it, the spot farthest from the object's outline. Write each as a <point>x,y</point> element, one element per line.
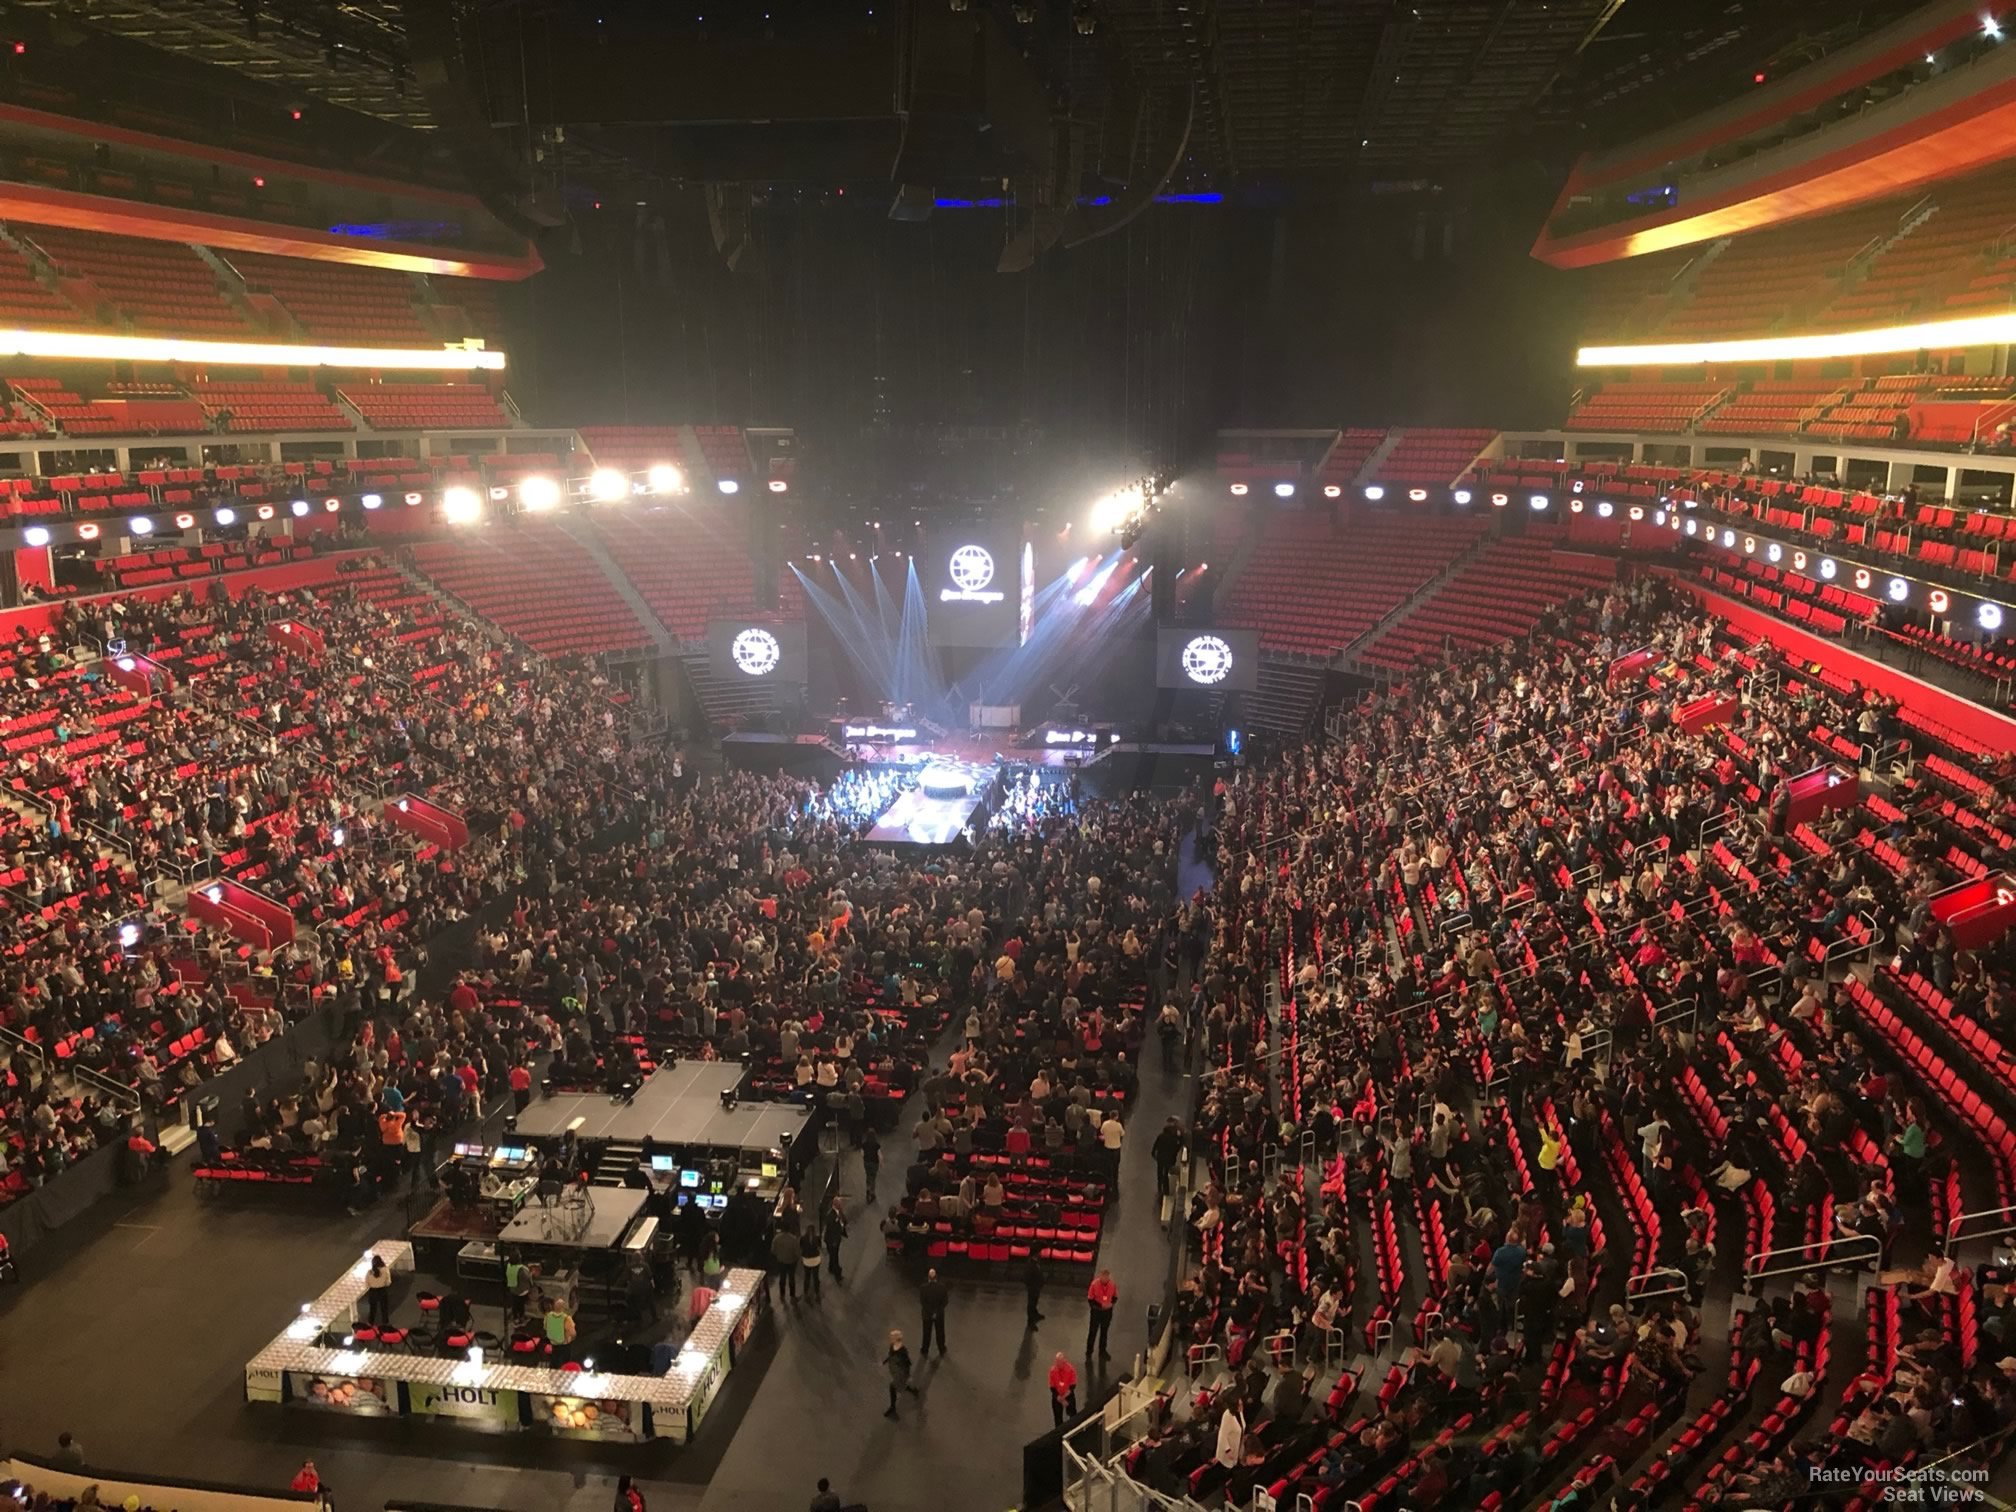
<point>661,764</point>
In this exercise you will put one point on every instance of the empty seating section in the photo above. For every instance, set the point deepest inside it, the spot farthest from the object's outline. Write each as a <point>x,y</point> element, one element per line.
<point>26,301</point>
<point>1432,457</point>
<point>537,582</point>
<point>339,302</point>
<point>1348,455</point>
<point>426,406</point>
<point>1901,281</point>
<point>159,286</point>
<point>1314,587</point>
<point>1622,299</point>
<point>688,564</point>
<point>1499,595</point>
<point>1627,406</point>
<point>633,448</point>
<point>269,406</point>
<point>41,400</point>
<point>1772,407</point>
<point>1775,277</point>
<point>467,307</point>
<point>723,450</point>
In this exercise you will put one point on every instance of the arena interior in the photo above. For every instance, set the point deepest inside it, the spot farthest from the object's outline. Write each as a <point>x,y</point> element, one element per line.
<point>1301,713</point>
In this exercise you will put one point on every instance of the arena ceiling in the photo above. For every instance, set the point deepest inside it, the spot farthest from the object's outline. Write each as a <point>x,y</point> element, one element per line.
<point>1296,93</point>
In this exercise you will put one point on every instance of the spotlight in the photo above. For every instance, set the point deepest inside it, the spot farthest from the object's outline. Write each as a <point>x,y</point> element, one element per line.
<point>140,525</point>
<point>1574,506</point>
<point>1418,495</point>
<point>372,501</point>
<point>499,493</point>
<point>1991,28</point>
<point>1798,561</point>
<point>1374,492</point>
<point>1238,490</point>
<point>1899,590</point>
<point>1461,496</point>
<point>606,485</point>
<point>728,485</point>
<point>538,492</point>
<point>1499,501</point>
<point>184,521</point>
<point>36,535</point>
<point>214,893</point>
<point>663,478</point>
<point>1862,577</point>
<point>1750,545</point>
<point>336,835</point>
<point>415,497</point>
<point>1729,539</point>
<point>1774,552</point>
<point>266,511</point>
<point>127,664</point>
<point>226,516</point>
<point>1827,568</point>
<point>1332,491</point>
<point>1938,601</point>
<point>778,485</point>
<point>299,508</point>
<point>1537,502</point>
<point>461,506</point>
<point>1691,524</point>
<point>1284,490</point>
<point>1988,616</point>
<point>1659,518</point>
<point>1637,512</point>
<point>1605,509</point>
<point>129,936</point>
<point>332,505</point>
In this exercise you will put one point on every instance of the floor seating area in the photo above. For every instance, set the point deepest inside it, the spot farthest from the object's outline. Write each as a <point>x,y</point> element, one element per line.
<point>536,581</point>
<point>1496,596</point>
<point>1313,587</point>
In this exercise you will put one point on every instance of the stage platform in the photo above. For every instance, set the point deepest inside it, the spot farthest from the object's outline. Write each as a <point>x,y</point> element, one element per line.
<point>615,1209</point>
<point>679,1106</point>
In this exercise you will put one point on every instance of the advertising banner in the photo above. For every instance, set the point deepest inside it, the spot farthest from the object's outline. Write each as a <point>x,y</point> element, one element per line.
<point>362,1396</point>
<point>589,1418</point>
<point>1216,660</point>
<point>742,651</point>
<point>972,583</point>
<point>477,1405</point>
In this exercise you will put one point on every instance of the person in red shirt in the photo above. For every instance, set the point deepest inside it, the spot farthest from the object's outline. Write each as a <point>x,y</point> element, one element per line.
<point>1063,1389</point>
<point>521,1086</point>
<point>1100,1297</point>
<point>306,1479</point>
<point>464,999</point>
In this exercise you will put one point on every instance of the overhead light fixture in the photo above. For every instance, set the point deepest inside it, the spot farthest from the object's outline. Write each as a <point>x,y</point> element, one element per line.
<point>1931,335</point>
<point>461,505</point>
<point>538,492</point>
<point>606,485</point>
<point>86,346</point>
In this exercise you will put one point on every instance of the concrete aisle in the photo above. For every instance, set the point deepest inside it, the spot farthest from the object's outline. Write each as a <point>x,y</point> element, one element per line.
<point>959,1442</point>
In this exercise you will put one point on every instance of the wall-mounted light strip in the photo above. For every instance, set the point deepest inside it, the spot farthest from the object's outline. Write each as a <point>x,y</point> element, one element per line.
<point>85,346</point>
<point>1937,335</point>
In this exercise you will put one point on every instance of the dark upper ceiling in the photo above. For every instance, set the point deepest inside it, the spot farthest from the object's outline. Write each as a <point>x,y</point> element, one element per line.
<point>1313,94</point>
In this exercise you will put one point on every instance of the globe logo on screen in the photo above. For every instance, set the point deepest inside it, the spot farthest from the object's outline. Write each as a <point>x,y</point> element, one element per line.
<point>756,652</point>
<point>972,568</point>
<point>1206,660</point>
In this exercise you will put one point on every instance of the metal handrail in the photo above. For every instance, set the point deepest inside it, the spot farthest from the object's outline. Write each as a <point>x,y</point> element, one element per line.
<point>1866,1249</point>
<point>22,1042</point>
<point>1638,1288</point>
<point>1959,1220</point>
<point>106,1087</point>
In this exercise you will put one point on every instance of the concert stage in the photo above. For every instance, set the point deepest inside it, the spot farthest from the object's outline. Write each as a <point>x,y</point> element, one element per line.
<point>678,1105</point>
